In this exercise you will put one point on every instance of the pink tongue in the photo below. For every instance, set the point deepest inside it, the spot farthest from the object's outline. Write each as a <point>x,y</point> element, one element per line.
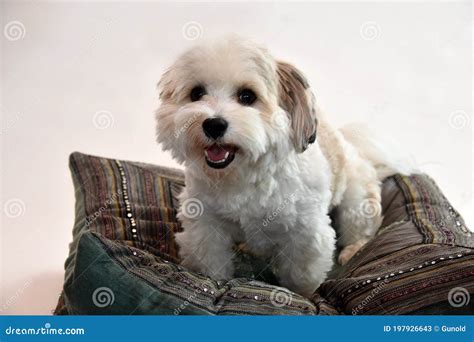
<point>216,153</point>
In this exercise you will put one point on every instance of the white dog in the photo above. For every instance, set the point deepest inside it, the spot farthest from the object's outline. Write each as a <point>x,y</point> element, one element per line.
<point>264,167</point>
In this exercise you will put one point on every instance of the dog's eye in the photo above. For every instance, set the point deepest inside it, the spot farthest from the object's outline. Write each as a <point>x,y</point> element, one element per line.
<point>246,97</point>
<point>197,93</point>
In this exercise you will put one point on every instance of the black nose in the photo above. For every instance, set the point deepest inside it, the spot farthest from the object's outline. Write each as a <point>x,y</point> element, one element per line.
<point>214,127</point>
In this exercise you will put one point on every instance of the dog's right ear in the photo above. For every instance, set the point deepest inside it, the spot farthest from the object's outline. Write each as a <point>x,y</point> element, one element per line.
<point>296,98</point>
<point>166,85</point>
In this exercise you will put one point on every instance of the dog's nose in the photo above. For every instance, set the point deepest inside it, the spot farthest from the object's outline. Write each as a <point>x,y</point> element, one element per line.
<point>214,127</point>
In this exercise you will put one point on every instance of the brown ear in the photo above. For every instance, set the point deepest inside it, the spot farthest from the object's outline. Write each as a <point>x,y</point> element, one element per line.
<point>165,85</point>
<point>296,98</point>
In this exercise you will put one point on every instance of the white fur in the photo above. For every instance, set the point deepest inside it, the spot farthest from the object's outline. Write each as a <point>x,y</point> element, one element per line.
<point>270,197</point>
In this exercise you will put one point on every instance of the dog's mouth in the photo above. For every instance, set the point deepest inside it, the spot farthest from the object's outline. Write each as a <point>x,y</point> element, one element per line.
<point>219,156</point>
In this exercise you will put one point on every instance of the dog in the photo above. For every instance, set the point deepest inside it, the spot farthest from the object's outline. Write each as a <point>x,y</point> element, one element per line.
<point>264,167</point>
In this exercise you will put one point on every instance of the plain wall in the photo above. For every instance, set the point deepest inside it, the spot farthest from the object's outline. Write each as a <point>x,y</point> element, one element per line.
<point>82,77</point>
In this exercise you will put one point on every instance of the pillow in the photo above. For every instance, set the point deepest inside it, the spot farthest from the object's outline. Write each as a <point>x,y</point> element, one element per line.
<point>420,261</point>
<point>123,258</point>
<point>123,251</point>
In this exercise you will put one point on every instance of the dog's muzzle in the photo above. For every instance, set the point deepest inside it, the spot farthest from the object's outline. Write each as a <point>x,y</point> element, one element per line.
<point>218,156</point>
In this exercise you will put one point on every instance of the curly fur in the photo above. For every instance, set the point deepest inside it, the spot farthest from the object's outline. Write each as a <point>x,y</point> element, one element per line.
<point>290,170</point>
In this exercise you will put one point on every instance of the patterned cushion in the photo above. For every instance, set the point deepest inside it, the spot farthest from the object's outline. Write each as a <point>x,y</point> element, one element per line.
<point>420,261</point>
<point>123,258</point>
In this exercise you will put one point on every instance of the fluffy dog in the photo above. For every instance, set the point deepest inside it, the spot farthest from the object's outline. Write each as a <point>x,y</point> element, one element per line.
<point>264,166</point>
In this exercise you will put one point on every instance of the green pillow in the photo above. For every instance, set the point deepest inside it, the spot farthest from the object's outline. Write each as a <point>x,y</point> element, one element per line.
<point>111,277</point>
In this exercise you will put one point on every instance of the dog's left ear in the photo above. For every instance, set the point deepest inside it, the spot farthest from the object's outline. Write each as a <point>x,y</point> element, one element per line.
<point>296,98</point>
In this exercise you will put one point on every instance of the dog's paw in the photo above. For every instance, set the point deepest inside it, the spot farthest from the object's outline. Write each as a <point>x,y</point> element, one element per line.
<point>349,251</point>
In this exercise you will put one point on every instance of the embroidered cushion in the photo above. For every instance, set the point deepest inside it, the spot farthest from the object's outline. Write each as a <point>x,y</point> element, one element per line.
<point>124,260</point>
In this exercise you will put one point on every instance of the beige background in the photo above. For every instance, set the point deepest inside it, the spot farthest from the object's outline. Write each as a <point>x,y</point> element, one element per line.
<point>82,76</point>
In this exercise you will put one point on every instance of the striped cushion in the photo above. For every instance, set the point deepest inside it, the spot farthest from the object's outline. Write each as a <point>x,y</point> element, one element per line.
<point>420,261</point>
<point>123,241</point>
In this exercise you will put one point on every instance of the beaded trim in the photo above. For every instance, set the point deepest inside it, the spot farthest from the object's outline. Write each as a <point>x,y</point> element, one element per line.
<point>393,274</point>
<point>348,291</point>
<point>459,224</point>
<point>210,289</point>
<point>126,199</point>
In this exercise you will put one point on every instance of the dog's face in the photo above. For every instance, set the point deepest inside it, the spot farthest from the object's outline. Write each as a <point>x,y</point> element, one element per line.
<point>230,103</point>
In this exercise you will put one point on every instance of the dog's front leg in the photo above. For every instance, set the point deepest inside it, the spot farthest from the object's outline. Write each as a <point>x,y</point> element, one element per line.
<point>205,247</point>
<point>306,256</point>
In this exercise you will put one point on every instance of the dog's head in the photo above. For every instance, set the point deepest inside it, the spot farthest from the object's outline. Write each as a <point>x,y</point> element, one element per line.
<point>230,103</point>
